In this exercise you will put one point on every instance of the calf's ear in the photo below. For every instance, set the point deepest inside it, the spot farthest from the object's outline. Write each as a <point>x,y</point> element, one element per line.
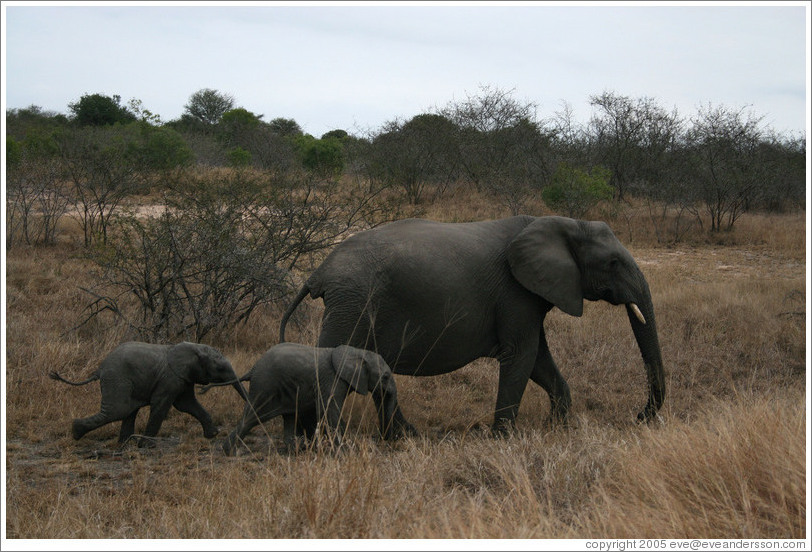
<point>183,360</point>
<point>350,367</point>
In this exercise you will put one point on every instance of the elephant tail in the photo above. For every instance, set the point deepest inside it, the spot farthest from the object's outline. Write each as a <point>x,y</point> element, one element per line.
<point>57,377</point>
<point>285,317</point>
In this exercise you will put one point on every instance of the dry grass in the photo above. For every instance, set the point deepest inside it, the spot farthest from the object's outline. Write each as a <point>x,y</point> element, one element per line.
<point>728,460</point>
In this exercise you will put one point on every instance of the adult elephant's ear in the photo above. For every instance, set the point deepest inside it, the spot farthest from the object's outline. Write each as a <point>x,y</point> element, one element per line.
<point>348,363</point>
<point>541,260</point>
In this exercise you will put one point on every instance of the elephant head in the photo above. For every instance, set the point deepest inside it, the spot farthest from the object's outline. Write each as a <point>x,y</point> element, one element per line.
<point>201,364</point>
<point>565,261</point>
<point>367,372</point>
<point>364,371</point>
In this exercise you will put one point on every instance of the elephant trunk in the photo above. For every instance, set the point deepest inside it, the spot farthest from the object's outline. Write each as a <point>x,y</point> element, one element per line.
<point>235,383</point>
<point>645,332</point>
<point>241,390</point>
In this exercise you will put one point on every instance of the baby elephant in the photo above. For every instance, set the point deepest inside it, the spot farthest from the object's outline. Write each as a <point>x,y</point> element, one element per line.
<point>304,384</point>
<point>136,374</point>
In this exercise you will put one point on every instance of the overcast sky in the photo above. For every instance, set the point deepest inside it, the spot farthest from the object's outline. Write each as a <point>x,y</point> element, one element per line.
<point>355,67</point>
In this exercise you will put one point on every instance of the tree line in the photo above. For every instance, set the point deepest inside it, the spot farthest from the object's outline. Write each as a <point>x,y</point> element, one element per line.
<point>244,201</point>
<point>715,165</point>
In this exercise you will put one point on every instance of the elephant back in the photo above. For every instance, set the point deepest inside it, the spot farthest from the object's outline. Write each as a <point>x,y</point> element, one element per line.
<point>354,264</point>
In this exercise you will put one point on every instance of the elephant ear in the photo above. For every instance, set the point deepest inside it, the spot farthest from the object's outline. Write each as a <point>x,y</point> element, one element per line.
<point>183,361</point>
<point>541,260</point>
<point>351,367</point>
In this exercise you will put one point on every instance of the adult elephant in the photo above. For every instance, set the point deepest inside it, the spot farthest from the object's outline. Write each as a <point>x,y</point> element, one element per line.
<point>431,297</point>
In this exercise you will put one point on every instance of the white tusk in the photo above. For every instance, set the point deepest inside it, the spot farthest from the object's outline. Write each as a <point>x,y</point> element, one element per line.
<point>637,313</point>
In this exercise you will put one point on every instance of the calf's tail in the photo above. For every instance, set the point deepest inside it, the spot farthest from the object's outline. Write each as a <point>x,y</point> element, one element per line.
<point>57,377</point>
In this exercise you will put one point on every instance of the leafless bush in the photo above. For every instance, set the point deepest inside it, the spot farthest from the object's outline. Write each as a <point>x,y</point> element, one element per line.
<point>35,202</point>
<point>222,247</point>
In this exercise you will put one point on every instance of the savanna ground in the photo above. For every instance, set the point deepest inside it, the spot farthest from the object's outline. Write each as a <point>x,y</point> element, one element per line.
<point>726,460</point>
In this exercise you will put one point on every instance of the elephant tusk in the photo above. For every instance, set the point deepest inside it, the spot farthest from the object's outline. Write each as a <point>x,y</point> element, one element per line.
<point>637,313</point>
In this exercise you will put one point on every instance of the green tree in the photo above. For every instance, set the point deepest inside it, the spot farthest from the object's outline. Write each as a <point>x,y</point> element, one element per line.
<point>208,106</point>
<point>337,133</point>
<point>238,157</point>
<point>415,155</point>
<point>238,126</point>
<point>21,123</point>
<point>161,149</point>
<point>324,158</point>
<point>574,191</point>
<point>143,114</point>
<point>14,152</point>
<point>100,110</point>
<point>285,127</point>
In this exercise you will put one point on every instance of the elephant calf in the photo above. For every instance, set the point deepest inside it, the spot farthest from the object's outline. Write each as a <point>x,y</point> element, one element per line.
<point>136,374</point>
<point>304,384</point>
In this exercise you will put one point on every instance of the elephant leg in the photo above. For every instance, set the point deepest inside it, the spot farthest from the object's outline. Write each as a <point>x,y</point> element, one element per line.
<point>187,402</point>
<point>515,366</point>
<point>546,374</point>
<point>298,428</point>
<point>158,409</point>
<point>250,418</point>
<point>292,432</point>
<point>333,415</point>
<point>81,426</point>
<point>127,427</point>
<point>332,402</point>
<point>306,423</point>
<point>393,424</point>
<point>116,404</point>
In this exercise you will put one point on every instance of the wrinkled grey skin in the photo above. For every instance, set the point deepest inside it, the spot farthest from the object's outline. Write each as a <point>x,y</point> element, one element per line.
<point>304,384</point>
<point>137,374</point>
<point>431,297</point>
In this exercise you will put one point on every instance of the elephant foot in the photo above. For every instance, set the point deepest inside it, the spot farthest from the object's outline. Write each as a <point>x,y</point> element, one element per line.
<point>78,431</point>
<point>502,429</point>
<point>146,442</point>
<point>405,430</point>
<point>211,432</point>
<point>648,415</point>
<point>228,448</point>
<point>299,445</point>
<point>558,419</point>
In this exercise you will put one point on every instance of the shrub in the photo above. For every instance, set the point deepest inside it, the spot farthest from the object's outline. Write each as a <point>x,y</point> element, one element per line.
<point>574,191</point>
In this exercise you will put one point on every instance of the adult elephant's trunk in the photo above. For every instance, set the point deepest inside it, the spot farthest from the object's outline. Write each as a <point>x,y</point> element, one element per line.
<point>645,332</point>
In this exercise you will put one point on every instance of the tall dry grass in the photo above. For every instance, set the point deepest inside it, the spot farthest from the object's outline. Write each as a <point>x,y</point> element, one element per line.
<point>727,459</point>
